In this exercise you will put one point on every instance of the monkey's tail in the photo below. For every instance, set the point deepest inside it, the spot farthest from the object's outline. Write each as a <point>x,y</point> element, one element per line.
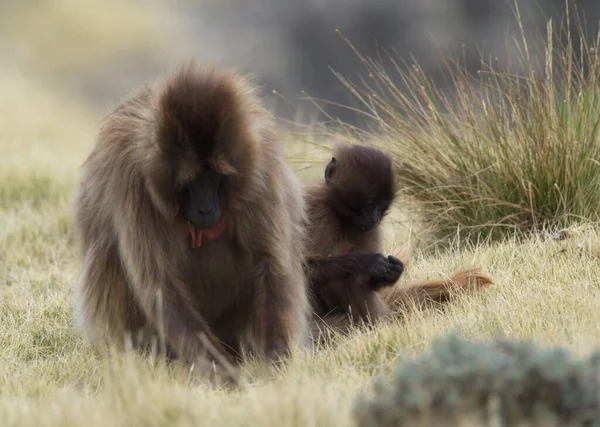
<point>436,290</point>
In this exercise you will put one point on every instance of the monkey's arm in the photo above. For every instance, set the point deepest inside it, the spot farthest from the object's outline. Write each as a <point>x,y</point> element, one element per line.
<point>146,246</point>
<point>282,298</point>
<point>375,270</point>
<point>349,283</point>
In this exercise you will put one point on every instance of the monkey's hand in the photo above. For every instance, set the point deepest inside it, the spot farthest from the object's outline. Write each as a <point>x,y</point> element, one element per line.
<point>384,271</point>
<point>377,269</point>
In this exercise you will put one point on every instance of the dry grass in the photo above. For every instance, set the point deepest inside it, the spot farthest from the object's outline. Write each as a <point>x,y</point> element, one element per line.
<point>515,149</point>
<point>546,289</point>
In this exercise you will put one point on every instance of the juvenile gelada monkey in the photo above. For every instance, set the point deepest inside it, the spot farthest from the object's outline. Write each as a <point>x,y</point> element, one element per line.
<point>351,280</point>
<point>186,195</point>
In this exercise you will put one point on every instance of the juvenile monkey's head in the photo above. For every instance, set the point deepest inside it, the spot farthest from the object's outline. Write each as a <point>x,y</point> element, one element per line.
<point>206,142</point>
<point>361,186</point>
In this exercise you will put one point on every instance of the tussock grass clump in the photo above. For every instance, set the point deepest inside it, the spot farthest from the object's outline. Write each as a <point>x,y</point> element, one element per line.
<point>514,148</point>
<point>487,383</point>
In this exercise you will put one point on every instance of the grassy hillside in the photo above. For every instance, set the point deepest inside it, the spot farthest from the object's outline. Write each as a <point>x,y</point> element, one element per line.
<point>546,289</point>
<point>548,286</point>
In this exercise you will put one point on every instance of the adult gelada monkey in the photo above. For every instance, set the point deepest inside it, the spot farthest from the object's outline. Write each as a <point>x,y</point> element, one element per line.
<point>186,194</point>
<point>350,279</point>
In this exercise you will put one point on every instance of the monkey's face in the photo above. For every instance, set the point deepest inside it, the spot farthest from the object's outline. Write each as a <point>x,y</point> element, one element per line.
<point>360,213</point>
<point>206,152</point>
<point>204,199</point>
<point>209,175</point>
<point>361,185</point>
<point>203,204</point>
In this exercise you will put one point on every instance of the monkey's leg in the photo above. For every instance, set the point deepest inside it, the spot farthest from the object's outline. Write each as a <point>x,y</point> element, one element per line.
<point>353,298</point>
<point>281,314</point>
<point>357,305</point>
<point>104,308</point>
<point>322,328</point>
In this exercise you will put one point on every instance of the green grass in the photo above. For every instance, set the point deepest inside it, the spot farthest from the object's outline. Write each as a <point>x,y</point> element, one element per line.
<point>514,150</point>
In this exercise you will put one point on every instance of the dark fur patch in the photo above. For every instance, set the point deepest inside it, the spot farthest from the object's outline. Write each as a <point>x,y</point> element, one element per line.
<point>200,114</point>
<point>195,108</point>
<point>363,175</point>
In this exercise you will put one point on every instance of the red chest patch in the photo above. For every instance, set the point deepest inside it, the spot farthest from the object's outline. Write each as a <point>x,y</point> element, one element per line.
<point>345,247</point>
<point>210,233</point>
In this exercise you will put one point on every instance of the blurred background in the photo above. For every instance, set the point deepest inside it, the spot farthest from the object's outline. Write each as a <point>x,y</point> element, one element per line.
<point>88,55</point>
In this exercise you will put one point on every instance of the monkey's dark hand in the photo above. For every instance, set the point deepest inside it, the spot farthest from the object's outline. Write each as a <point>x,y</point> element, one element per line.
<point>384,271</point>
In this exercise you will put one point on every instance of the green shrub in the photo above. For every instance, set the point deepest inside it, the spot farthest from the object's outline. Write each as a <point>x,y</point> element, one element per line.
<point>494,383</point>
<point>515,148</point>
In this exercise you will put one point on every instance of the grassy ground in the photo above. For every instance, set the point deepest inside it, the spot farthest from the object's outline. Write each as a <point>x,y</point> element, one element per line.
<point>546,289</point>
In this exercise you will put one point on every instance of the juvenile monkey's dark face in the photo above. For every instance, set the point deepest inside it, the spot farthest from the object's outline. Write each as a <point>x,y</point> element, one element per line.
<point>369,216</point>
<point>361,185</point>
<point>361,212</point>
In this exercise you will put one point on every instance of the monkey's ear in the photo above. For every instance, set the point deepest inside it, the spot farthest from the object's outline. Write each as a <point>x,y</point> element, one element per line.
<point>330,170</point>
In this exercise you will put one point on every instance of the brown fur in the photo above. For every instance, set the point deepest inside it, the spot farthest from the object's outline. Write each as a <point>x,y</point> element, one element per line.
<point>342,287</point>
<point>244,289</point>
<point>425,292</point>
